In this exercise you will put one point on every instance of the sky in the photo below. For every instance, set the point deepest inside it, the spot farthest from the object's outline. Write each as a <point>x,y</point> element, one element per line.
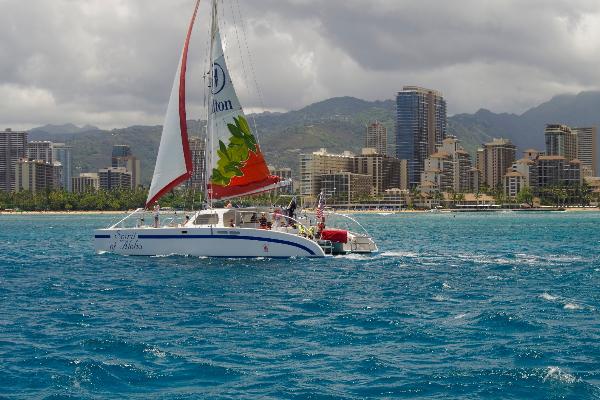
<point>111,63</point>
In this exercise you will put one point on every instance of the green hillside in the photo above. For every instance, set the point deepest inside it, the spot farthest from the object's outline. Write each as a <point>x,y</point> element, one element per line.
<point>337,124</point>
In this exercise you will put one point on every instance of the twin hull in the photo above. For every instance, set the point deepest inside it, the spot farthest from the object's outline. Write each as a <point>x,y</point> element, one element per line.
<point>204,241</point>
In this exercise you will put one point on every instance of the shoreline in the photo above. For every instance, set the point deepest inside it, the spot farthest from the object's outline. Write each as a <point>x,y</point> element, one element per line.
<point>64,212</point>
<point>341,211</point>
<point>449,211</point>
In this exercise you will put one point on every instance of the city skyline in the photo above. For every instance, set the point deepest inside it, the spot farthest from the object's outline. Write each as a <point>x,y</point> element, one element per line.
<point>479,55</point>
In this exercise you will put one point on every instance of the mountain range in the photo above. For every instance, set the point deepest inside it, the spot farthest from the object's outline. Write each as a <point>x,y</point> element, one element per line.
<point>337,124</point>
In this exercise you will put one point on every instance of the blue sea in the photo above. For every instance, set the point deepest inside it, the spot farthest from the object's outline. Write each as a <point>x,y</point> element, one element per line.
<point>455,306</point>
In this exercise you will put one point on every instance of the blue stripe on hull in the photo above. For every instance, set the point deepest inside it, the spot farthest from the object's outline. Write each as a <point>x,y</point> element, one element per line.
<point>258,239</point>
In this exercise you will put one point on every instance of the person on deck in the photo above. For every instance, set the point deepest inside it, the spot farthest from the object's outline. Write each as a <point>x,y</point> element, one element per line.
<point>263,221</point>
<point>320,227</point>
<point>291,209</point>
<point>229,205</point>
<point>156,214</point>
<point>231,223</point>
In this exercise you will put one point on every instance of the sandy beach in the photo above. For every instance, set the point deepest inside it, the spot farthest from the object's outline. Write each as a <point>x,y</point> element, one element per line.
<point>63,212</point>
<point>341,211</point>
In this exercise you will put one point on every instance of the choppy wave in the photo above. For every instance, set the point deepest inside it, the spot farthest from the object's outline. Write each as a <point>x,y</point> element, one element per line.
<point>408,254</point>
<point>549,297</point>
<point>556,374</point>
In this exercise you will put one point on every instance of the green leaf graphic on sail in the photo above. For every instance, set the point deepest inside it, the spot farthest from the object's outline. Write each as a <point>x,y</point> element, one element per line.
<point>233,156</point>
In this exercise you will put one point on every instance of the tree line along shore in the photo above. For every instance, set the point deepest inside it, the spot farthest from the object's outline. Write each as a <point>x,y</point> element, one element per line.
<point>578,198</point>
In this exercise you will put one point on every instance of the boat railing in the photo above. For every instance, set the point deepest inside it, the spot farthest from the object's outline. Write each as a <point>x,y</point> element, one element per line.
<point>120,222</point>
<point>364,232</point>
<point>275,223</point>
<point>145,219</point>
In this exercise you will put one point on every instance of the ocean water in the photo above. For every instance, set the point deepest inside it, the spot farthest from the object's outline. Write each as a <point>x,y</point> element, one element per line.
<point>467,306</point>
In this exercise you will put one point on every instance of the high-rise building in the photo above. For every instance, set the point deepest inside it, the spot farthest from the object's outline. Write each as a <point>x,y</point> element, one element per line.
<point>57,177</point>
<point>63,154</point>
<point>523,173</point>
<point>86,182</point>
<point>133,165</point>
<point>40,151</point>
<point>318,163</point>
<point>474,179</point>
<point>561,141</point>
<point>494,160</point>
<point>385,171</point>
<point>403,175</point>
<point>346,187</point>
<point>587,148</point>
<point>13,147</point>
<point>33,175</point>
<point>558,171</point>
<point>420,127</point>
<point>376,137</point>
<point>448,169</point>
<point>114,178</point>
<point>437,173</point>
<point>123,158</point>
<point>197,148</point>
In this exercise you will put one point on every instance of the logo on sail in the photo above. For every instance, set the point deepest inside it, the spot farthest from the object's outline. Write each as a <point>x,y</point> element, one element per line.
<point>218,79</point>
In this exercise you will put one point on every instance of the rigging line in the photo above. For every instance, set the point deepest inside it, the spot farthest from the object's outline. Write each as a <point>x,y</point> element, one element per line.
<point>227,39</point>
<point>250,59</point>
<point>251,62</point>
<point>242,56</point>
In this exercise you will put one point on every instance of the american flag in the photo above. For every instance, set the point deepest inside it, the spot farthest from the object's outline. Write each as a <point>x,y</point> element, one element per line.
<point>320,207</point>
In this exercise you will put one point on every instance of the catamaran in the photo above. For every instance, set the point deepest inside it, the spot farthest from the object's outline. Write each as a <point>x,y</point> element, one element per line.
<point>237,168</point>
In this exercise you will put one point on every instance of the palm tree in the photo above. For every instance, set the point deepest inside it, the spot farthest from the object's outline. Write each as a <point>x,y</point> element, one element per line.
<point>525,195</point>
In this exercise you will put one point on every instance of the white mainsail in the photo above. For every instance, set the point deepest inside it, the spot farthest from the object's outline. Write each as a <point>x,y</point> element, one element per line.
<point>174,160</point>
<point>234,162</point>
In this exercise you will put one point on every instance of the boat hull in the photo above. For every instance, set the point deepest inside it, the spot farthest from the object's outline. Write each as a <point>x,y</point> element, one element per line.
<point>204,241</point>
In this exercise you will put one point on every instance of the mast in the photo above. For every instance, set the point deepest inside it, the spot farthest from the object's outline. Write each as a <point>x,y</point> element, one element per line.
<point>208,152</point>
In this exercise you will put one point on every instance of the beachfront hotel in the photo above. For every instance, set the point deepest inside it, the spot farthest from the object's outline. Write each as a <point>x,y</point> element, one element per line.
<point>448,169</point>
<point>13,147</point>
<point>561,141</point>
<point>493,161</point>
<point>382,171</point>
<point>587,149</point>
<point>86,182</point>
<point>314,165</point>
<point>36,175</point>
<point>114,178</point>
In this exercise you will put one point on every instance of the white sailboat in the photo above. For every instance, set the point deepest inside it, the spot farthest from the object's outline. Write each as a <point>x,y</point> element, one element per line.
<point>237,168</point>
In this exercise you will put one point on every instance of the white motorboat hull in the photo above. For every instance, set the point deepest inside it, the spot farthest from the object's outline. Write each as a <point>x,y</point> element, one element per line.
<point>204,241</point>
